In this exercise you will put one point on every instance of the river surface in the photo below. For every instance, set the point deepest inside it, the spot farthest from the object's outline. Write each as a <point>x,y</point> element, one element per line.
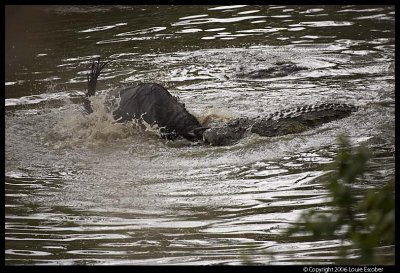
<point>81,189</point>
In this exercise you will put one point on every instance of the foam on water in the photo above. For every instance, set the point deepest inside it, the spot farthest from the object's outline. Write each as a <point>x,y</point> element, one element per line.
<point>75,127</point>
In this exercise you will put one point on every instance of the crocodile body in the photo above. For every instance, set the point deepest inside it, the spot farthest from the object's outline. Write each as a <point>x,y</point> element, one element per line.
<point>290,121</point>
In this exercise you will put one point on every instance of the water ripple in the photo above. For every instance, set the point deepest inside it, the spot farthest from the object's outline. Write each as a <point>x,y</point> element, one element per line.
<point>227,7</point>
<point>84,190</point>
<point>94,29</point>
<point>323,24</point>
<point>215,20</point>
<point>142,31</point>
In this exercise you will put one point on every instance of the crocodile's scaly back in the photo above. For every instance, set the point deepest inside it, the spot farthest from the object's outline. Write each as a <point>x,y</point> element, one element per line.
<point>316,109</point>
<point>299,119</point>
<point>289,121</point>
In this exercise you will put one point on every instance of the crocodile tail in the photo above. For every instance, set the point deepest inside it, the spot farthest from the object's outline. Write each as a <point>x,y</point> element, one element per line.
<point>317,111</point>
<point>319,114</point>
<point>296,120</point>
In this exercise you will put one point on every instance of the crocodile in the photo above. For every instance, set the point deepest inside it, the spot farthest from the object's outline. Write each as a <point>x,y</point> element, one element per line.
<point>153,104</point>
<point>289,121</point>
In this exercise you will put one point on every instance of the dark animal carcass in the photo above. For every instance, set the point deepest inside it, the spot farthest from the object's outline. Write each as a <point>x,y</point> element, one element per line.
<point>153,104</point>
<point>150,103</point>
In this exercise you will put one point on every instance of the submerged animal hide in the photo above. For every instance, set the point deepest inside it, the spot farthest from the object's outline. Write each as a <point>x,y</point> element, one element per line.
<point>153,104</point>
